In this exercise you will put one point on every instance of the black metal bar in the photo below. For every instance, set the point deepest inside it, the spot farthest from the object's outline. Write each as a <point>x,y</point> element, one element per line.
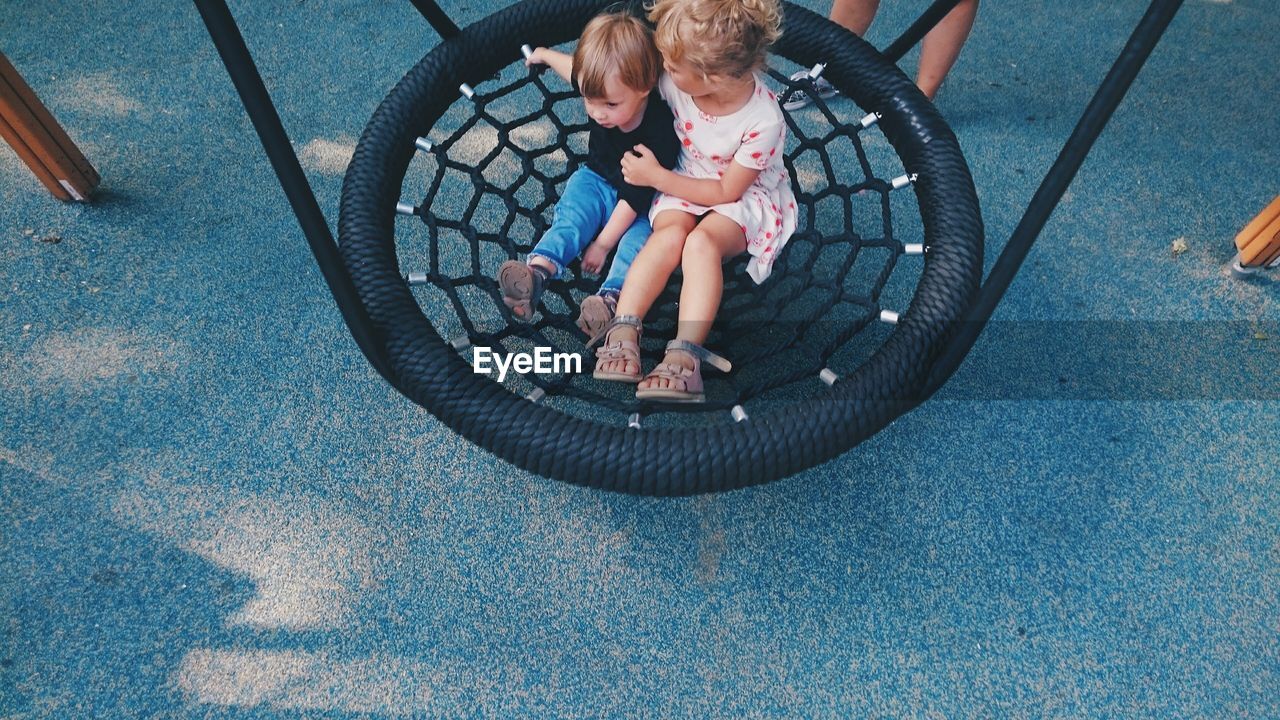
<point>918,29</point>
<point>438,19</point>
<point>1108,96</point>
<point>257,102</point>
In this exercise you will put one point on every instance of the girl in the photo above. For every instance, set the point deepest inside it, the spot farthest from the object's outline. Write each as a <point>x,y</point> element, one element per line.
<point>730,193</point>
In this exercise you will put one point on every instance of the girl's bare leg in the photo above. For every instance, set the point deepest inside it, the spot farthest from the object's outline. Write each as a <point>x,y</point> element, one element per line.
<point>648,276</point>
<point>714,240</point>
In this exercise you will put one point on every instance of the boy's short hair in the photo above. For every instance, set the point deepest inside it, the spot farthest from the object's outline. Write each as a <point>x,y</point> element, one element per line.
<point>616,42</point>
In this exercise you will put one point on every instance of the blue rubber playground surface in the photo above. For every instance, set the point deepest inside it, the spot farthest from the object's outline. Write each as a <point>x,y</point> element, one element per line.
<point>212,506</point>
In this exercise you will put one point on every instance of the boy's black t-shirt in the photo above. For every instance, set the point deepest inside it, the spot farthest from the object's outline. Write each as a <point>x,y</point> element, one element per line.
<point>656,132</point>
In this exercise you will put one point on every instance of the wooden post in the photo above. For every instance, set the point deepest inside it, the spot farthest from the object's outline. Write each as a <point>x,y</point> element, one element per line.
<point>40,141</point>
<point>1259,241</point>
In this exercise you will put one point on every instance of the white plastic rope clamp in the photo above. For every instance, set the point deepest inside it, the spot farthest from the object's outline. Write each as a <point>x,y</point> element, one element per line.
<point>405,209</point>
<point>828,376</point>
<point>902,181</point>
<point>889,316</point>
<point>738,413</point>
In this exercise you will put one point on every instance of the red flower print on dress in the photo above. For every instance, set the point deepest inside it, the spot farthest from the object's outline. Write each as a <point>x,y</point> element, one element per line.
<point>688,126</point>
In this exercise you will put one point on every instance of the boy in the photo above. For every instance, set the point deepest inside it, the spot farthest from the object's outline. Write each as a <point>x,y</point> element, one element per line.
<point>615,67</point>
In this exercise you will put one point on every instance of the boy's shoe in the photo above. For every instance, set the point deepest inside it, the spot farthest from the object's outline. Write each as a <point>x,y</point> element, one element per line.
<point>521,286</point>
<point>819,87</point>
<point>596,311</point>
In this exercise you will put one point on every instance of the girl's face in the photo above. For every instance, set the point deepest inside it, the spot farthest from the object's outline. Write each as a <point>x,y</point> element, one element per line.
<point>688,80</point>
<point>621,107</point>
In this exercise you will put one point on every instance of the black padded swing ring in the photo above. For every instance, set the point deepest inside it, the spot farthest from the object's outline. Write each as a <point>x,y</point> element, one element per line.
<point>660,461</point>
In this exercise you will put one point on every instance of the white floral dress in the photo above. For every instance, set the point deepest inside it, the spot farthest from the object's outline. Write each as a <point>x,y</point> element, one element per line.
<point>754,137</point>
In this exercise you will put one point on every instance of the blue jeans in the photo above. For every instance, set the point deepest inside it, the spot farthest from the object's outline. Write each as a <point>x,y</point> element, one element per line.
<point>585,206</point>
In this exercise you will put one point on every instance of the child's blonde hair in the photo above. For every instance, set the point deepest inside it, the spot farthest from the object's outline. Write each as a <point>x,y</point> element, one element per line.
<point>716,37</point>
<point>619,43</point>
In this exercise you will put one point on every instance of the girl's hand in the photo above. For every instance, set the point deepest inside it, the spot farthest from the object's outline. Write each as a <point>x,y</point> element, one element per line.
<point>537,57</point>
<point>593,259</point>
<point>640,167</point>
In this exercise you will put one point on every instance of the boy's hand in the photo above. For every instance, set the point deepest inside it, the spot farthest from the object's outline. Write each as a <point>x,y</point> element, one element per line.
<point>537,57</point>
<point>640,167</point>
<point>593,259</point>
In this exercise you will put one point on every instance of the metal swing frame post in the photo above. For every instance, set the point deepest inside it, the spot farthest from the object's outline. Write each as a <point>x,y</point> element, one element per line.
<point>262,112</point>
<point>1105,100</point>
<point>1142,41</point>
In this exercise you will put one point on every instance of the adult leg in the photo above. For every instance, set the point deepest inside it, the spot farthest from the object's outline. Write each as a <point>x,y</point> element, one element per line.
<point>856,15</point>
<point>942,46</point>
<point>646,278</point>
<point>714,240</point>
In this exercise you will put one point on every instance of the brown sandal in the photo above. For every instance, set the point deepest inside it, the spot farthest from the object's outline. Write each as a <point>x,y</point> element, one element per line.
<point>521,286</point>
<point>596,312</point>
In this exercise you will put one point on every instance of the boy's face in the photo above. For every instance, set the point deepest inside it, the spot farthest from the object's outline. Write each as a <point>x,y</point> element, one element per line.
<point>621,107</point>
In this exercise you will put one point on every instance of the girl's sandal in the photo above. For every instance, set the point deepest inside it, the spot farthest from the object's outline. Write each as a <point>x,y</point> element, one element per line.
<point>521,288</point>
<point>628,350</point>
<point>685,383</point>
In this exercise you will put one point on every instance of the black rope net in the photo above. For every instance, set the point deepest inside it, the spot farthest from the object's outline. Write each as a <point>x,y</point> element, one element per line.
<point>830,348</point>
<point>491,181</point>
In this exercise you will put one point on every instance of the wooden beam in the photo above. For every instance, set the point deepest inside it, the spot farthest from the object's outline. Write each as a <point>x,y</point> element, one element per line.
<point>46,147</point>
